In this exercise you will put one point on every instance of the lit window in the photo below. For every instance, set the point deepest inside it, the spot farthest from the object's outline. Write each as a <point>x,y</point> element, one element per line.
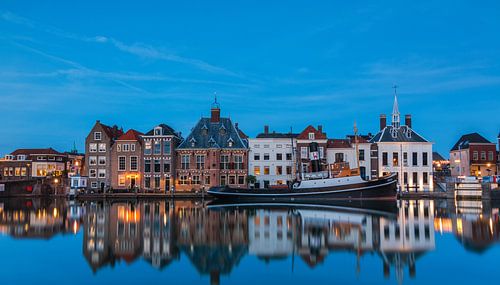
<point>102,147</point>
<point>256,170</point>
<point>93,147</point>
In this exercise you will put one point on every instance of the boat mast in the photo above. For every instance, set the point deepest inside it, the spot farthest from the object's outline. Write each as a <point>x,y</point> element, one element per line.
<point>356,142</point>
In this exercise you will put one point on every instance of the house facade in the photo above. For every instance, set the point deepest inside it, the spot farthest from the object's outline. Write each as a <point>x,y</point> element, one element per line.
<point>473,155</point>
<point>215,153</point>
<point>44,161</point>
<point>126,161</point>
<point>344,150</point>
<point>15,168</point>
<point>159,158</point>
<point>309,135</point>
<point>399,148</point>
<point>98,144</point>
<point>271,159</point>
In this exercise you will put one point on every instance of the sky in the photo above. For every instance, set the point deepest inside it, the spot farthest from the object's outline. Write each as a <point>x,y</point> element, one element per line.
<point>66,64</point>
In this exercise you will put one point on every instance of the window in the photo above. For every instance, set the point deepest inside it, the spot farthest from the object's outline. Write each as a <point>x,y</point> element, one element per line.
<point>157,166</point>
<point>490,155</point>
<point>426,178</point>
<point>23,171</point>
<point>256,146</point>
<point>266,170</point>
<point>425,161</point>
<point>414,160</point>
<point>132,147</point>
<point>224,161</point>
<point>238,162</point>
<point>223,180</point>
<point>196,180</point>
<point>232,179</point>
<point>147,147</point>
<point>303,152</point>
<point>92,160</point>
<point>415,178</point>
<point>92,147</point>
<point>395,159</point>
<point>122,163</point>
<point>6,171</point>
<point>200,162</point>
<point>256,170</point>
<point>339,157</point>
<point>157,182</point>
<point>133,163</point>
<point>279,156</point>
<point>361,156</point>
<point>166,147</point>
<point>101,173</point>
<point>288,156</point>
<point>288,170</point>
<point>266,146</point>
<point>102,160</point>
<point>241,180</point>
<point>266,156</point>
<point>92,173</point>
<point>97,136</point>
<point>157,131</point>
<point>321,152</point>
<point>279,170</point>
<point>405,179</point>
<point>207,180</point>
<point>405,158</point>
<point>157,148</point>
<point>93,184</point>
<point>147,182</point>
<point>185,161</point>
<point>256,156</point>
<point>311,136</point>
<point>119,147</point>
<point>475,155</point>
<point>166,167</point>
<point>147,165</point>
<point>126,147</point>
<point>121,180</point>
<point>17,171</point>
<point>102,147</point>
<point>483,155</point>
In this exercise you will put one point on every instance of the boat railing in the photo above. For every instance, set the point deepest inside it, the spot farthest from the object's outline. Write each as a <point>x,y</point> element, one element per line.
<point>315,175</point>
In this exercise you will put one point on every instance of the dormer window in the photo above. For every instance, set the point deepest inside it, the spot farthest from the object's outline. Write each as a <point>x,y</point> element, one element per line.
<point>97,136</point>
<point>222,130</point>
<point>230,142</point>
<point>157,131</point>
<point>311,136</point>
<point>21,157</point>
<point>394,133</point>
<point>408,133</point>
<point>193,142</point>
<point>9,157</point>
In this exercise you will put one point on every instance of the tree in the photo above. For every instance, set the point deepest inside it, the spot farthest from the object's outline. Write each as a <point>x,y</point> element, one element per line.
<point>251,179</point>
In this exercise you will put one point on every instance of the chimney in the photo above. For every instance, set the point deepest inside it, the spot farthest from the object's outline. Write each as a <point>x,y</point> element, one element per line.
<point>383,121</point>
<point>266,129</point>
<point>408,120</point>
<point>215,115</point>
<point>320,128</point>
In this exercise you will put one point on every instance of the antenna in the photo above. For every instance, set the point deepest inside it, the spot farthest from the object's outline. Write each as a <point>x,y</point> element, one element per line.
<point>395,87</point>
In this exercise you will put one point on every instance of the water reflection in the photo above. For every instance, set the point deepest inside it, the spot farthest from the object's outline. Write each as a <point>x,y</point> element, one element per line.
<point>216,238</point>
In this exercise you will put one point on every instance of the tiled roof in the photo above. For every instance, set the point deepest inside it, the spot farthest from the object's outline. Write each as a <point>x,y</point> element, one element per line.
<point>361,138</point>
<point>275,135</point>
<point>310,129</point>
<point>31,151</point>
<point>401,134</point>
<point>208,134</point>
<point>113,132</point>
<point>338,143</point>
<point>465,140</point>
<point>166,131</point>
<point>437,156</point>
<point>130,135</point>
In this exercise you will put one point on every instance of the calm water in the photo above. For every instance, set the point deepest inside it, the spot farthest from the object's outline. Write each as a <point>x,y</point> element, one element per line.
<point>129,242</point>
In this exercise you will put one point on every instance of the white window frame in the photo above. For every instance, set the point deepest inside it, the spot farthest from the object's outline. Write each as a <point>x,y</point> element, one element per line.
<point>126,147</point>
<point>136,163</point>
<point>102,147</point>
<point>101,171</point>
<point>132,147</point>
<point>93,173</point>
<point>97,136</point>
<point>92,147</point>
<point>311,136</point>
<point>99,160</point>
<point>124,163</point>
<point>93,184</point>
<point>94,159</point>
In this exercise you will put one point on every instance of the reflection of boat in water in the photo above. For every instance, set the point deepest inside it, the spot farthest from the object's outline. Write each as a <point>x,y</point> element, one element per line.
<point>379,207</point>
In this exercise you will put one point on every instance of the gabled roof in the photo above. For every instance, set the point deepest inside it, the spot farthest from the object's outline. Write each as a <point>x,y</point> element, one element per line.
<point>465,140</point>
<point>361,138</point>
<point>304,135</point>
<point>130,135</point>
<point>166,131</point>
<point>401,134</point>
<point>113,132</point>
<point>338,143</point>
<point>208,134</point>
<point>436,156</point>
<point>31,151</point>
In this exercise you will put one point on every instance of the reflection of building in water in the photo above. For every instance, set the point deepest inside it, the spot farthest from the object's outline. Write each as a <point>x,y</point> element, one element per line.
<point>96,243</point>
<point>214,241</point>
<point>476,229</point>
<point>405,239</point>
<point>272,233</point>
<point>124,230</point>
<point>33,218</point>
<point>158,233</point>
<point>322,231</point>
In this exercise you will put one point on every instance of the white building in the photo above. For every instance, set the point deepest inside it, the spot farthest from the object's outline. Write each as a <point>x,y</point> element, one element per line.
<point>344,150</point>
<point>400,149</point>
<point>271,233</point>
<point>271,158</point>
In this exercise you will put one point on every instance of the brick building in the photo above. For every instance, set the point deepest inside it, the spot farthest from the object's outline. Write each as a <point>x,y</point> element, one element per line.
<point>304,139</point>
<point>215,153</point>
<point>473,155</point>
<point>126,161</point>
<point>98,146</point>
<point>159,158</point>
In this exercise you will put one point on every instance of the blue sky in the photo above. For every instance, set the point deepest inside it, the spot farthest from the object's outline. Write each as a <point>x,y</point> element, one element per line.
<point>65,64</point>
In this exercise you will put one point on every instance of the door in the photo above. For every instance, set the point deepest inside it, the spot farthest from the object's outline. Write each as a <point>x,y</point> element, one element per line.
<point>167,184</point>
<point>132,182</point>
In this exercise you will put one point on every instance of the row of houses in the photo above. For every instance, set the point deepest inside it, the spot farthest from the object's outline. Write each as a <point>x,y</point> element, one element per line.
<point>217,152</point>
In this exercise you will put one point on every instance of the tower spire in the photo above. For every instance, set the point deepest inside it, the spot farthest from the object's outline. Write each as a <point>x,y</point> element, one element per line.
<point>395,109</point>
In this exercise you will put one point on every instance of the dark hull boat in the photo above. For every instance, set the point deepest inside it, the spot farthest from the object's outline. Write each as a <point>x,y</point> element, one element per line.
<point>340,188</point>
